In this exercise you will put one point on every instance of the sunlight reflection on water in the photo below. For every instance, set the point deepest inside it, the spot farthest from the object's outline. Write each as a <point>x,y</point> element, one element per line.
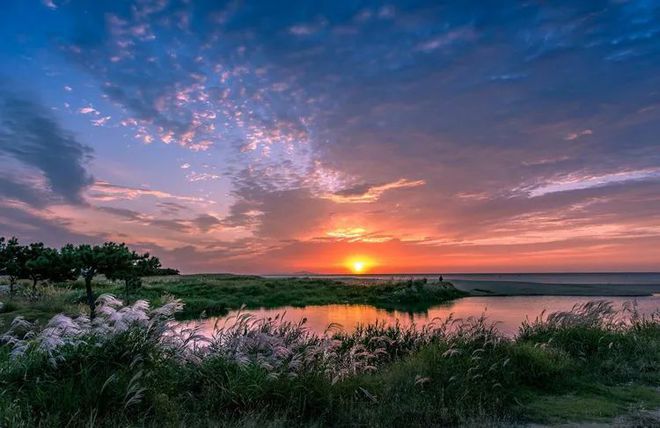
<point>509,312</point>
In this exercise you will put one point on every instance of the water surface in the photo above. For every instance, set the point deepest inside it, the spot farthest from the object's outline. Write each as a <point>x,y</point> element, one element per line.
<point>509,312</point>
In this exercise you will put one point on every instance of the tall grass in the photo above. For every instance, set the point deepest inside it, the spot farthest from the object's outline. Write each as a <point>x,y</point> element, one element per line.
<point>618,345</point>
<point>133,366</point>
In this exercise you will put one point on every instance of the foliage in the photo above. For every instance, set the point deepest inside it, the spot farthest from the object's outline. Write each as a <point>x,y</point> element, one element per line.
<point>133,366</point>
<point>164,272</point>
<point>40,263</point>
<point>43,263</point>
<point>219,293</point>
<point>12,261</point>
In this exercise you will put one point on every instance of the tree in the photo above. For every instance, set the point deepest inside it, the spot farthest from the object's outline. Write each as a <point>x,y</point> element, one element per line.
<point>166,271</point>
<point>110,259</point>
<point>67,268</point>
<point>121,268</point>
<point>148,265</point>
<point>41,263</point>
<point>12,261</point>
<point>145,265</point>
<point>89,261</point>
<point>38,262</point>
<point>131,267</point>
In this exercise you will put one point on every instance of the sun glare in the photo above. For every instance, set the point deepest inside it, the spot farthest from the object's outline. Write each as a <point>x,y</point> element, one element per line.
<point>359,265</point>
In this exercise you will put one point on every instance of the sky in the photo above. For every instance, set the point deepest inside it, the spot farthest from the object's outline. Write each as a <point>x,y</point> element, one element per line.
<point>279,137</point>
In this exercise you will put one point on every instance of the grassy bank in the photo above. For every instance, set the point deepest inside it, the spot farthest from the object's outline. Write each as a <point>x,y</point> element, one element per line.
<point>217,294</point>
<point>130,368</point>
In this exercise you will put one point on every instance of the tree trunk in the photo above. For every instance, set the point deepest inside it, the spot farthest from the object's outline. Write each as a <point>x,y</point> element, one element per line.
<point>90,297</point>
<point>34,285</point>
<point>126,291</point>
<point>12,291</point>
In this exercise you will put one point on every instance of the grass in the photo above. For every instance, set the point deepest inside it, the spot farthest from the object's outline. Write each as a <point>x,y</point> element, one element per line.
<point>131,369</point>
<point>217,294</point>
<point>596,403</point>
<point>52,300</point>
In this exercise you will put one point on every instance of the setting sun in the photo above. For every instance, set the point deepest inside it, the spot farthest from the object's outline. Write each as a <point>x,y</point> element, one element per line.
<point>359,265</point>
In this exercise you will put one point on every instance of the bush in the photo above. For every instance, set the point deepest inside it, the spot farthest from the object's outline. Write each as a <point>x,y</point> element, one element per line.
<point>6,307</point>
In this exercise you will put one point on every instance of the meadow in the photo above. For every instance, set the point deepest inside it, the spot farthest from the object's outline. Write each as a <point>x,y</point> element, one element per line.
<point>216,294</point>
<point>131,366</point>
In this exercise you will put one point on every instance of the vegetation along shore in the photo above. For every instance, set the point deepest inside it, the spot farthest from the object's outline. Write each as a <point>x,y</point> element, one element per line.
<point>132,366</point>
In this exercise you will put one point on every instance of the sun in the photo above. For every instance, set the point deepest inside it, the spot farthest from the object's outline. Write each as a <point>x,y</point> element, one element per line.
<point>358,266</point>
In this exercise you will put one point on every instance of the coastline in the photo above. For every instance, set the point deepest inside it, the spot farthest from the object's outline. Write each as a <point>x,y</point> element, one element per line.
<point>515,288</point>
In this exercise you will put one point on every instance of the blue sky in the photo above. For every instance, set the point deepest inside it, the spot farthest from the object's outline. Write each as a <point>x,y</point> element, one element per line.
<point>275,137</point>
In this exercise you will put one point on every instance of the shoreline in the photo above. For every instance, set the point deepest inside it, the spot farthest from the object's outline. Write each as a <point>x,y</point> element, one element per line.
<point>513,288</point>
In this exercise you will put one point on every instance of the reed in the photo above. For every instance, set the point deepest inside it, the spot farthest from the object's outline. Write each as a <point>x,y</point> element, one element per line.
<point>132,365</point>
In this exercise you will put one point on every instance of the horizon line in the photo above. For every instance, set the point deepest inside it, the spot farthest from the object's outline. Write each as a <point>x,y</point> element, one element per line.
<point>304,273</point>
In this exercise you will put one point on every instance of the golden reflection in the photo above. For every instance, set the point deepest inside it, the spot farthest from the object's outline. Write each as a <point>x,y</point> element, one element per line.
<point>508,312</point>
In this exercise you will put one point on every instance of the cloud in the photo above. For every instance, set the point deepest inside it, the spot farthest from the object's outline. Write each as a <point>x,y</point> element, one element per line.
<point>575,135</point>
<point>507,77</point>
<point>350,233</point>
<point>313,115</point>
<point>303,30</point>
<point>122,212</point>
<point>205,222</point>
<point>31,135</point>
<point>201,176</point>
<point>447,39</point>
<point>369,193</point>
<point>38,225</point>
<point>104,191</point>
<point>202,222</point>
<point>169,207</point>
<point>31,193</point>
<point>580,182</point>
<point>290,214</point>
<point>276,212</point>
<point>101,122</point>
<point>88,110</point>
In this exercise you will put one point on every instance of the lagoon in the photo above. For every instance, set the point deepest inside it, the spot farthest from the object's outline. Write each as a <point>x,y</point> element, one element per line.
<point>508,312</point>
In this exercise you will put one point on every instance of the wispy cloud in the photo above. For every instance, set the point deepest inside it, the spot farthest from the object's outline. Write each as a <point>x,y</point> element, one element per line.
<point>575,135</point>
<point>447,39</point>
<point>104,191</point>
<point>88,110</point>
<point>370,193</point>
<point>201,176</point>
<point>580,182</point>
<point>306,29</point>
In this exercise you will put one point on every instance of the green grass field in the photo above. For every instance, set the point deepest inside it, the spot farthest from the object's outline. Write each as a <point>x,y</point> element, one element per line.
<point>217,294</point>
<point>584,366</point>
